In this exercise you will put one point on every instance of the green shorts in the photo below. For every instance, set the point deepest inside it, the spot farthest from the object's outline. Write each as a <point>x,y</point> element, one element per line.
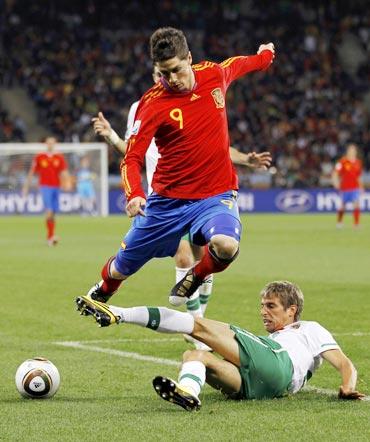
<point>265,368</point>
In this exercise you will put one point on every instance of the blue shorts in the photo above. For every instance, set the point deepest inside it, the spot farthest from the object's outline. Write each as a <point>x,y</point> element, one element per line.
<point>50,197</point>
<point>350,196</point>
<point>158,234</point>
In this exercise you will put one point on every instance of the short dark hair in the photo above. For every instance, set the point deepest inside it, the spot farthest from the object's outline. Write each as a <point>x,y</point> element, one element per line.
<point>288,293</point>
<point>166,43</point>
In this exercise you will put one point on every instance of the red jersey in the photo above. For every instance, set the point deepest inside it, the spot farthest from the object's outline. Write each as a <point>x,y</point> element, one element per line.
<point>48,166</point>
<point>349,173</point>
<point>190,131</point>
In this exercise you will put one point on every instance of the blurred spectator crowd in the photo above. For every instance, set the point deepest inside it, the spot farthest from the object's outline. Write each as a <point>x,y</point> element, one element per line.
<point>76,58</point>
<point>11,129</point>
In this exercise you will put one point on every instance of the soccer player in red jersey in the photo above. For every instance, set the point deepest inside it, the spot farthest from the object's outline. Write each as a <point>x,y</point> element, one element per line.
<point>187,254</point>
<point>347,179</point>
<point>194,184</point>
<point>51,167</point>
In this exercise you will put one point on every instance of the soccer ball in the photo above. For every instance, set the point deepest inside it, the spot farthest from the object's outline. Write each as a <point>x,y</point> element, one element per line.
<point>37,378</point>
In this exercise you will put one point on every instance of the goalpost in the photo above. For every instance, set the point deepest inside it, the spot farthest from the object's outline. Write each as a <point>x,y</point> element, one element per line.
<point>15,162</point>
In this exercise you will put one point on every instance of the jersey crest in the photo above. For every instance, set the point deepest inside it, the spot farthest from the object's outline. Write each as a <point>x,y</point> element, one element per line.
<point>218,98</point>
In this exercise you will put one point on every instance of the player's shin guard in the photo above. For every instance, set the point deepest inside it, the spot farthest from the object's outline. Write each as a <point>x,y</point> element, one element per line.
<point>110,285</point>
<point>211,263</point>
<point>161,319</point>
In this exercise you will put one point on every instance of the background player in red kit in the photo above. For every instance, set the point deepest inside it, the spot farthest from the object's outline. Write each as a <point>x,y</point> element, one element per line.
<point>51,167</point>
<point>195,184</point>
<point>347,179</point>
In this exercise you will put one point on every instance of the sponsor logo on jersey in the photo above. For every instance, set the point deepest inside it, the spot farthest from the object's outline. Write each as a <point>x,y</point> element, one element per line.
<point>218,98</point>
<point>294,201</point>
<point>136,127</point>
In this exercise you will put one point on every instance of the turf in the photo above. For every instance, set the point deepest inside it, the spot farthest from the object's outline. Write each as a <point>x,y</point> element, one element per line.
<point>109,396</point>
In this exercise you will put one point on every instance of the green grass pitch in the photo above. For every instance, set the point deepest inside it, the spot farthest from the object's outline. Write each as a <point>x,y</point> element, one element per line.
<point>106,394</point>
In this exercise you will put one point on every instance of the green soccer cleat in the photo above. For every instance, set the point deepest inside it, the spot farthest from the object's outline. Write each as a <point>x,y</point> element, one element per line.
<point>101,312</point>
<point>171,391</point>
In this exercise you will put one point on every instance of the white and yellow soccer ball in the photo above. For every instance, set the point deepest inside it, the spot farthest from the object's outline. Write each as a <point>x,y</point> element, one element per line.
<point>37,378</point>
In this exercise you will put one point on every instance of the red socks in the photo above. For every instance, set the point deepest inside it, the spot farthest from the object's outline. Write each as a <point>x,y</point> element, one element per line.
<point>109,285</point>
<point>340,214</point>
<point>50,226</point>
<point>210,264</point>
<point>356,216</point>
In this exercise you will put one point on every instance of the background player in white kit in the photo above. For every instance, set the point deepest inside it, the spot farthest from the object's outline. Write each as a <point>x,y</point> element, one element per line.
<point>187,253</point>
<point>253,367</point>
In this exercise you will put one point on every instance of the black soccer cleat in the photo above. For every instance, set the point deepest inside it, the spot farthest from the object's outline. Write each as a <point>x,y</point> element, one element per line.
<point>171,391</point>
<point>100,311</point>
<point>96,293</point>
<point>182,291</point>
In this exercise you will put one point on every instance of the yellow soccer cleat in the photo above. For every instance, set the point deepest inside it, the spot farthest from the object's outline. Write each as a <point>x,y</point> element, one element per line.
<point>101,312</point>
<point>171,391</point>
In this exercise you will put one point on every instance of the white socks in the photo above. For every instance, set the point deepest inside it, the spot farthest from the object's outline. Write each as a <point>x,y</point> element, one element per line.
<point>162,319</point>
<point>193,376</point>
<point>198,301</point>
<point>205,292</point>
<point>193,305</point>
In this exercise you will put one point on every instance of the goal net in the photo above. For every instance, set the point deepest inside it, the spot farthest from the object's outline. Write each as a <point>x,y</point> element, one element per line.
<point>15,162</point>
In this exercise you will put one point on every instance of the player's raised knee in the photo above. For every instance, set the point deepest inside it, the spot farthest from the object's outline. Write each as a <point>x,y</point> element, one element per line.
<point>224,247</point>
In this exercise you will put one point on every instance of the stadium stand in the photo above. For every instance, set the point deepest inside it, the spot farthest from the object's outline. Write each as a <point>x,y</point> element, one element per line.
<point>76,58</point>
<point>11,129</point>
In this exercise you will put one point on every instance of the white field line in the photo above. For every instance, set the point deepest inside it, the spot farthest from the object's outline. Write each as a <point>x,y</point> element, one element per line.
<point>352,334</point>
<point>122,354</point>
<point>113,340</point>
<point>326,391</point>
<point>162,361</point>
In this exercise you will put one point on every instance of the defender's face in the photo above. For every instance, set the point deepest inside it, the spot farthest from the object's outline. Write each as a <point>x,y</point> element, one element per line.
<point>177,73</point>
<point>274,316</point>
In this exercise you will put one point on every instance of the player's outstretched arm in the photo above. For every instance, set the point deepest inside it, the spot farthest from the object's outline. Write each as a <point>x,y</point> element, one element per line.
<point>253,160</point>
<point>347,371</point>
<point>103,128</point>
